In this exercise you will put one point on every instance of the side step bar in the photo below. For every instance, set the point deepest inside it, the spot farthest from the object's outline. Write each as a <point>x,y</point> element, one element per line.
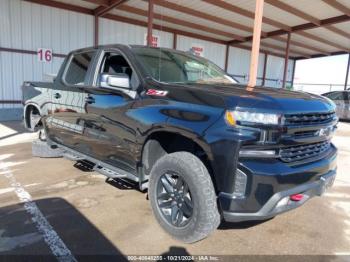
<point>108,172</point>
<point>97,165</point>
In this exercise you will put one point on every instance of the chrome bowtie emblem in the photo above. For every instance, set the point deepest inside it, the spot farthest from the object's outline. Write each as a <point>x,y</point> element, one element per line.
<point>324,131</point>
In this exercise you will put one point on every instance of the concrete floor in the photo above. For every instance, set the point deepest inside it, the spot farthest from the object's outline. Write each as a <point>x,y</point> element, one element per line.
<point>92,216</point>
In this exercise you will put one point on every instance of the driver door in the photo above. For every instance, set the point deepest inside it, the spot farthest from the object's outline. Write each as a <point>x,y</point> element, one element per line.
<point>109,131</point>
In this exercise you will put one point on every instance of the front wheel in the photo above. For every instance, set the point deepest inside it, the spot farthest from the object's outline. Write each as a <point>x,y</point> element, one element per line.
<point>183,198</point>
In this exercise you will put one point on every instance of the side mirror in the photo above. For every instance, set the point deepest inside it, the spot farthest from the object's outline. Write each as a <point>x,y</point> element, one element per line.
<point>117,80</point>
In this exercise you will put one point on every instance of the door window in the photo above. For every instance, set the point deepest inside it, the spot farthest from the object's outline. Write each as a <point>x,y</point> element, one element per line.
<point>114,64</point>
<point>337,96</point>
<point>77,68</point>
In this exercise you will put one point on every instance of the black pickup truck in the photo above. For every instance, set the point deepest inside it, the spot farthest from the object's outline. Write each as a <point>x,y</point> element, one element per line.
<point>205,147</point>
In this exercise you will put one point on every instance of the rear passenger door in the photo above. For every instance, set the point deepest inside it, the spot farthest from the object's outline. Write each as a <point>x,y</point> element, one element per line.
<point>68,100</point>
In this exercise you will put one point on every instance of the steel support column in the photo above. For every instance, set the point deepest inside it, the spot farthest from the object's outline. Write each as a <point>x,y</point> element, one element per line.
<point>227,56</point>
<point>96,27</point>
<point>174,41</point>
<point>254,58</point>
<point>264,70</point>
<point>347,73</point>
<point>286,57</point>
<point>150,22</point>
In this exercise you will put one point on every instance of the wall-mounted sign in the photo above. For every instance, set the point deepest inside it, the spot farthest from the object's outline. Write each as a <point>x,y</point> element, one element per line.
<point>44,55</point>
<point>155,40</point>
<point>197,50</point>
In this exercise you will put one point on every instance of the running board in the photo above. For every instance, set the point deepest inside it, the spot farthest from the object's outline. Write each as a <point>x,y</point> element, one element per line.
<point>72,157</point>
<point>108,172</point>
<point>98,166</point>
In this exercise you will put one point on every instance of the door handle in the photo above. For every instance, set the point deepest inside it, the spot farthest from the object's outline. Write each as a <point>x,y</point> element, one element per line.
<point>57,95</point>
<point>90,100</point>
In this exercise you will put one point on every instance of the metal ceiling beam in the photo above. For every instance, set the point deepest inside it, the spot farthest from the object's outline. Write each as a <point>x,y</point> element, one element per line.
<point>64,6</point>
<point>298,28</point>
<point>303,15</point>
<point>322,55</point>
<point>321,40</point>
<point>102,10</point>
<point>163,28</point>
<point>338,31</point>
<point>324,22</point>
<point>262,50</point>
<point>300,44</point>
<point>98,2</point>
<point>246,13</point>
<point>290,9</point>
<point>340,7</point>
<point>199,14</point>
<point>276,47</point>
<point>180,22</point>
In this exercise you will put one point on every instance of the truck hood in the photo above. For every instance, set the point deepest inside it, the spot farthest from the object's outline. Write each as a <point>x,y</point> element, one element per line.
<point>259,98</point>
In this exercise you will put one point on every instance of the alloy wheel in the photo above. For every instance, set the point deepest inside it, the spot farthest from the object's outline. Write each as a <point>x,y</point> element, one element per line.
<point>174,199</point>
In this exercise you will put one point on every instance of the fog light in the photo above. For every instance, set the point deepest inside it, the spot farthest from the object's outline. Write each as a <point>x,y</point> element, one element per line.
<point>296,197</point>
<point>240,184</point>
<point>283,202</point>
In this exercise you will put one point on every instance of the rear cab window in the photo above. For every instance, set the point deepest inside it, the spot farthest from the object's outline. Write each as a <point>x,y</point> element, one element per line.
<point>76,72</point>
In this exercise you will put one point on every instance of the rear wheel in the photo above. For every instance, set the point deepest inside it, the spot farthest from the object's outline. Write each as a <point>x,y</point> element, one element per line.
<point>183,198</point>
<point>33,119</point>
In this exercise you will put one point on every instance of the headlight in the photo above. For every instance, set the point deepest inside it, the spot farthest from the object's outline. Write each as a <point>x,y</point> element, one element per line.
<point>232,117</point>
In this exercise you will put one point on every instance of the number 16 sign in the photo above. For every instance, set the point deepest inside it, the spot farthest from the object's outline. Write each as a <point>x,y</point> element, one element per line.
<point>44,55</point>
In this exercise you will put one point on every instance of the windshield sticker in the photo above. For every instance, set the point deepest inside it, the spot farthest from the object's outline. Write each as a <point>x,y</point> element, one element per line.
<point>154,92</point>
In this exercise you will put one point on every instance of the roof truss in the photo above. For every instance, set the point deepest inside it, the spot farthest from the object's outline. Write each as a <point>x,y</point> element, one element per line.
<point>105,6</point>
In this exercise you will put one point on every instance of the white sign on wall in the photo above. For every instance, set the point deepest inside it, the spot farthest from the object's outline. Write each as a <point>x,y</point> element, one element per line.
<point>44,55</point>
<point>197,50</point>
<point>155,40</point>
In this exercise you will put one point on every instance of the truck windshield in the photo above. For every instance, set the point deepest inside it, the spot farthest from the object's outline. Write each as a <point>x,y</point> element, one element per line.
<point>169,66</point>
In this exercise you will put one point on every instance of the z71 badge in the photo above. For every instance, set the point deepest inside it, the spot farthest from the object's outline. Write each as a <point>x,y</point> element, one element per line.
<point>154,92</point>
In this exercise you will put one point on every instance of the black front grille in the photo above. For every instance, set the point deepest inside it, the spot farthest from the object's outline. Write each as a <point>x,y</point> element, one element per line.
<point>299,153</point>
<point>309,118</point>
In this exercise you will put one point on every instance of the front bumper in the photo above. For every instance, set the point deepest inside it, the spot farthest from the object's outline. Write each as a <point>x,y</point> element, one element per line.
<point>270,184</point>
<point>273,208</point>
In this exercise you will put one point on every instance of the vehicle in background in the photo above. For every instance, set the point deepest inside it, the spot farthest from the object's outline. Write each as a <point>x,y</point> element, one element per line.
<point>342,101</point>
<point>203,146</point>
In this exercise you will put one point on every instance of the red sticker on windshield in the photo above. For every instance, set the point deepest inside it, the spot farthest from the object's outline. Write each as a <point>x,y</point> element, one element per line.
<point>154,92</point>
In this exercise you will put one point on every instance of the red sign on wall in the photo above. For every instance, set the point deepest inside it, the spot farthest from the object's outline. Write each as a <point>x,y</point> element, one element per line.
<point>44,55</point>
<point>155,41</point>
<point>197,50</point>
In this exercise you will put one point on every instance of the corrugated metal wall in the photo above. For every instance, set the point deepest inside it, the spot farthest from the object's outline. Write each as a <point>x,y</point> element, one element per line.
<point>239,62</point>
<point>274,70</point>
<point>28,26</point>
<point>212,51</point>
<point>114,32</point>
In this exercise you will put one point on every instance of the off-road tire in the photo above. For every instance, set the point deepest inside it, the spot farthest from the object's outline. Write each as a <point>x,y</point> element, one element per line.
<point>205,218</point>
